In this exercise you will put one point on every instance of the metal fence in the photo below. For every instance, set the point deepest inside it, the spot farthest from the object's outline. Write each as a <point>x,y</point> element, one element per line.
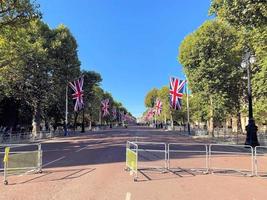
<point>188,156</point>
<point>152,155</point>
<point>197,157</point>
<point>20,159</point>
<point>227,159</point>
<point>261,161</point>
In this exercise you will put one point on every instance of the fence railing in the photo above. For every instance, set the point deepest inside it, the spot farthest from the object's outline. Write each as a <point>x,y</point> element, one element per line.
<point>210,158</point>
<point>20,159</point>
<point>261,161</point>
<point>222,158</point>
<point>180,152</point>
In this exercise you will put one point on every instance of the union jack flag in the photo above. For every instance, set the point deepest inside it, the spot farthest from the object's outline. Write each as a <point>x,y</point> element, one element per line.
<point>150,113</point>
<point>114,113</point>
<point>122,116</point>
<point>158,107</point>
<point>105,107</point>
<point>77,87</point>
<point>176,92</point>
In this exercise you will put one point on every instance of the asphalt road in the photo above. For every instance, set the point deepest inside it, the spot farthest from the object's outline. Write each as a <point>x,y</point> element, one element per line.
<point>91,166</point>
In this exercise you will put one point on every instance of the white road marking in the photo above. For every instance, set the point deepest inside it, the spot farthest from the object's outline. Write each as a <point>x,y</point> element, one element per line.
<point>53,150</point>
<point>81,149</point>
<point>128,196</point>
<point>54,161</point>
<point>131,172</point>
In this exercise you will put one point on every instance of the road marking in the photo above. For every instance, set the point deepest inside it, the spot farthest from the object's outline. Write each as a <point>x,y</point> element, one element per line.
<point>128,196</point>
<point>53,150</point>
<point>54,161</point>
<point>81,149</point>
<point>131,173</point>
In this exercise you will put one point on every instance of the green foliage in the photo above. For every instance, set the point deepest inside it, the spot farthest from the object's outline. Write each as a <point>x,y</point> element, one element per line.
<point>17,12</point>
<point>248,13</point>
<point>199,109</point>
<point>151,98</point>
<point>211,58</point>
<point>36,65</point>
<point>163,95</point>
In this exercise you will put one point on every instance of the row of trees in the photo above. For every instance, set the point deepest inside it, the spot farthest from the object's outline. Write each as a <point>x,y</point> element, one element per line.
<point>36,65</point>
<point>212,56</point>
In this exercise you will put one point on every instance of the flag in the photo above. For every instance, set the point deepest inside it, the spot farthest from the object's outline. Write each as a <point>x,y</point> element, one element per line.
<point>105,107</point>
<point>150,113</point>
<point>129,118</point>
<point>158,107</point>
<point>122,116</point>
<point>176,92</point>
<point>77,87</point>
<point>114,113</point>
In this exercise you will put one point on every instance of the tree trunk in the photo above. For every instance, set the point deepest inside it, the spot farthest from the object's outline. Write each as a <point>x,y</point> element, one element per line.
<point>75,120</point>
<point>211,121</point>
<point>100,117</point>
<point>36,119</point>
<point>239,124</point>
<point>172,123</point>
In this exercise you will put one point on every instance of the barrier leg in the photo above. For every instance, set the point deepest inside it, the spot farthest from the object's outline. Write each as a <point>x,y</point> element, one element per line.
<point>40,159</point>
<point>5,174</point>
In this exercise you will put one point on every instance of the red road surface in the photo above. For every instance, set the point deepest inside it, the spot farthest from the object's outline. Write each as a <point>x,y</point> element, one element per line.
<point>91,167</point>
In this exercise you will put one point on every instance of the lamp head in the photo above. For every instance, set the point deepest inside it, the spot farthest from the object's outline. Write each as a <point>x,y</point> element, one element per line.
<point>243,64</point>
<point>252,59</point>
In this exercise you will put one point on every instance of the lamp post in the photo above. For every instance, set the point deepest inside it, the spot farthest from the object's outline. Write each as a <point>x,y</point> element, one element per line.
<point>251,128</point>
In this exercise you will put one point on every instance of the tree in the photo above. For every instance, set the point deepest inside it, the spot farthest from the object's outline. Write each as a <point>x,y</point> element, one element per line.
<point>36,65</point>
<point>151,97</point>
<point>91,80</point>
<point>17,12</point>
<point>211,57</point>
<point>250,17</point>
<point>27,73</point>
<point>65,65</point>
<point>248,13</point>
<point>163,95</point>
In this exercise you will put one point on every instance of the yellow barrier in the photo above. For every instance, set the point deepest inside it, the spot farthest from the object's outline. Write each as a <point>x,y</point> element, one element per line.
<point>7,149</point>
<point>131,159</point>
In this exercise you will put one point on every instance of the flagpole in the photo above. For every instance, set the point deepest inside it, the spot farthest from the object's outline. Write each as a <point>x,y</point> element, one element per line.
<point>187,105</point>
<point>83,122</point>
<point>66,112</point>
<point>156,120</point>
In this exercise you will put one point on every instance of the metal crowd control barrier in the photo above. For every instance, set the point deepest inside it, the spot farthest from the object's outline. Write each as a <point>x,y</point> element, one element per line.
<point>151,155</point>
<point>260,161</point>
<point>225,154</point>
<point>213,158</point>
<point>179,153</point>
<point>138,154</point>
<point>20,159</point>
<point>132,158</point>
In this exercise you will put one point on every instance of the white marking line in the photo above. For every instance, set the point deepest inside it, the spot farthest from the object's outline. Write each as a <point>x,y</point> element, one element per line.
<point>128,196</point>
<point>54,161</point>
<point>81,149</point>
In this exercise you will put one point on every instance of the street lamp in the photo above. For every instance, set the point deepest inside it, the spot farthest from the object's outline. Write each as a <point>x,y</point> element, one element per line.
<point>251,128</point>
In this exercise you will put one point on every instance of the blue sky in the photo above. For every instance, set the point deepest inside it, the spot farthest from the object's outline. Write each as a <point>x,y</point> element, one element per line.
<point>133,44</point>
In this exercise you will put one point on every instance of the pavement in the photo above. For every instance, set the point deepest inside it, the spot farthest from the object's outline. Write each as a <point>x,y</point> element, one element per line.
<point>91,166</point>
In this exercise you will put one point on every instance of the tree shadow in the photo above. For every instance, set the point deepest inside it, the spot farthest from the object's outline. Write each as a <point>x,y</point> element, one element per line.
<point>56,175</point>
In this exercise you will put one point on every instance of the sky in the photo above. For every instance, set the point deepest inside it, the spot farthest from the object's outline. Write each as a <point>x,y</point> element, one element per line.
<point>133,44</point>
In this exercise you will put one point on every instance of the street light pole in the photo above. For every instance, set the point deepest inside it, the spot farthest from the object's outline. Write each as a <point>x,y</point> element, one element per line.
<point>251,128</point>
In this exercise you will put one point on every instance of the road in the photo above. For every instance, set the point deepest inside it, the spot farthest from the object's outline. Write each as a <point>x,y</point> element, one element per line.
<point>91,166</point>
